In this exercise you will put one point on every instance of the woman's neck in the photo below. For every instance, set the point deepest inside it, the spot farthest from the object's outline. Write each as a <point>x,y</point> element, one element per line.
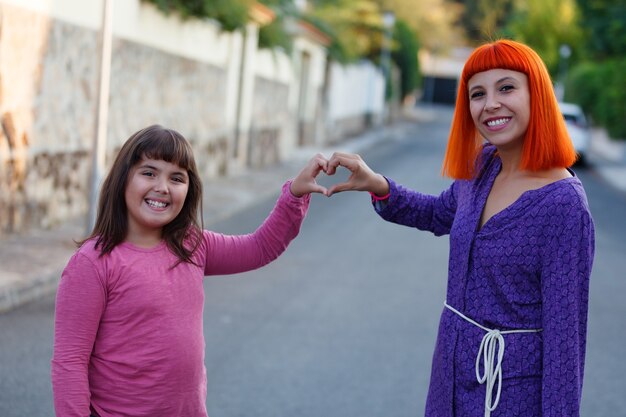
<point>511,169</point>
<point>511,159</point>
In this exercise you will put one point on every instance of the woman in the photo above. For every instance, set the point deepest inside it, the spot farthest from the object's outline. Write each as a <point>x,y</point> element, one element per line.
<point>521,243</point>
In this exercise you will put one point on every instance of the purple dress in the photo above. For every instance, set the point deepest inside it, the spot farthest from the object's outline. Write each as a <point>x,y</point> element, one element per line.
<point>528,267</point>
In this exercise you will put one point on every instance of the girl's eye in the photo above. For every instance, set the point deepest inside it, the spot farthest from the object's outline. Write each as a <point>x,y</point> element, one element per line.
<point>148,174</point>
<point>476,94</point>
<point>506,88</point>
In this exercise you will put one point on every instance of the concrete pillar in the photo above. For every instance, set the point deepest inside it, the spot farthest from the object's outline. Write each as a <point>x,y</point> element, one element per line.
<point>246,92</point>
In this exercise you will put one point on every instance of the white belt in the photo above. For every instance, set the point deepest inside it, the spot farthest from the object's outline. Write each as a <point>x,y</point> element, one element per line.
<point>492,343</point>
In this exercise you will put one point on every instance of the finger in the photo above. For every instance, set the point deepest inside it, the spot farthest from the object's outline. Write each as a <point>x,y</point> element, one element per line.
<point>313,168</point>
<point>316,188</point>
<point>340,187</point>
<point>345,161</point>
<point>332,165</point>
<point>334,162</point>
<point>320,163</point>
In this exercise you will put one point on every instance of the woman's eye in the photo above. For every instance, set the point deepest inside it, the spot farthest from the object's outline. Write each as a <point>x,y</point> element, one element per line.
<point>476,94</point>
<point>506,88</point>
<point>148,174</point>
<point>179,179</point>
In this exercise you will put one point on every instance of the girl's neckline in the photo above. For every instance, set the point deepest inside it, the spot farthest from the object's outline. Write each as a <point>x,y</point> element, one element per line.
<point>137,248</point>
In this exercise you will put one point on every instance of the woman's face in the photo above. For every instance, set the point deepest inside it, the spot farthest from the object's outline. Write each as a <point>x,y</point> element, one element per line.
<point>500,106</point>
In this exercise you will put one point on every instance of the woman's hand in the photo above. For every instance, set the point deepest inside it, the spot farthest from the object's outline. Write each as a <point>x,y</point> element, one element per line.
<point>362,178</point>
<point>305,182</point>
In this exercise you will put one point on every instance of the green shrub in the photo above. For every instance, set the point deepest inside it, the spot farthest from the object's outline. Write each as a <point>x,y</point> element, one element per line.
<point>615,98</point>
<point>274,35</point>
<point>600,89</point>
<point>405,57</point>
<point>231,14</point>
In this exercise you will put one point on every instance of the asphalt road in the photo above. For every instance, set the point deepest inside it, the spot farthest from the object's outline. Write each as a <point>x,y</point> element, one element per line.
<point>344,323</point>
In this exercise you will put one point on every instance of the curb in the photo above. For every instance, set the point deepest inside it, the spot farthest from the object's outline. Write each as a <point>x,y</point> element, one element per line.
<point>608,158</point>
<point>32,262</point>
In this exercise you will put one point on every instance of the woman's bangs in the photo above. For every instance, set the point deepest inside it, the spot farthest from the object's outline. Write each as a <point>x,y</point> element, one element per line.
<point>492,56</point>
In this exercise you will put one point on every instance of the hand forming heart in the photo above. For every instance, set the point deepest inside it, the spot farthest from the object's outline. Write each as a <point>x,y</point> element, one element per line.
<point>361,178</point>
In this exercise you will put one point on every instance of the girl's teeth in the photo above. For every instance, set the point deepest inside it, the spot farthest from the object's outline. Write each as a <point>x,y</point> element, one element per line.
<point>498,122</point>
<point>156,204</point>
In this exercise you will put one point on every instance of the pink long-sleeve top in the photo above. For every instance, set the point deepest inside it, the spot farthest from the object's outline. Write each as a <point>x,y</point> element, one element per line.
<point>128,335</point>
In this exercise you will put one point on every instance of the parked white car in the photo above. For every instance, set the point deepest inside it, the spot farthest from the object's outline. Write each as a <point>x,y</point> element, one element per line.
<point>578,128</point>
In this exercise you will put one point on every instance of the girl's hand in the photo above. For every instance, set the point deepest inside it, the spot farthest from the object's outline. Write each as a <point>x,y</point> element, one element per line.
<point>305,182</point>
<point>362,178</point>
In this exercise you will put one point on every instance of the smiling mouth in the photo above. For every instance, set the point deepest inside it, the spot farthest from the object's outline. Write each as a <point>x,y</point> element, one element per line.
<point>156,204</point>
<point>498,122</point>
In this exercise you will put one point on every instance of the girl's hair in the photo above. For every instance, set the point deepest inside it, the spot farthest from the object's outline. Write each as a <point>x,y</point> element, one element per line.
<point>546,144</point>
<point>182,235</point>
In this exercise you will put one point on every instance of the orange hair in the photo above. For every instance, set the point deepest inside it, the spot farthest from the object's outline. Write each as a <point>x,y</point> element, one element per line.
<point>546,144</point>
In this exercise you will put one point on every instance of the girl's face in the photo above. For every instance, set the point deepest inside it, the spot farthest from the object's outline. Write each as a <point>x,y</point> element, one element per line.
<point>155,194</point>
<point>500,106</point>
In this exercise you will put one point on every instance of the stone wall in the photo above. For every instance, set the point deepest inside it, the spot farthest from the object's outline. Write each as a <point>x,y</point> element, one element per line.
<point>149,86</point>
<point>271,119</point>
<point>45,77</point>
<point>48,93</point>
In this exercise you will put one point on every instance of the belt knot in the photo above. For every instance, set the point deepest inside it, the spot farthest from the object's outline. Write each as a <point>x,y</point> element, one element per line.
<point>490,353</point>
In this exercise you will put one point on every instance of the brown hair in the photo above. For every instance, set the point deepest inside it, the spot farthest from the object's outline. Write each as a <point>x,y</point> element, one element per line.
<point>546,144</point>
<point>182,235</point>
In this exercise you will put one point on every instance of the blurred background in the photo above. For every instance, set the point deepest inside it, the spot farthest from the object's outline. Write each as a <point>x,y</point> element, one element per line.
<point>248,82</point>
<point>332,328</point>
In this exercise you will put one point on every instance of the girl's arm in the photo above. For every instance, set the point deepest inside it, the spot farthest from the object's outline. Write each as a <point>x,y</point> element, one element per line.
<point>80,301</point>
<point>565,291</point>
<point>232,254</point>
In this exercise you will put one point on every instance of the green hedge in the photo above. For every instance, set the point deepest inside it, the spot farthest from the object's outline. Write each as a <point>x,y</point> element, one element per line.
<point>600,89</point>
<point>405,57</point>
<point>231,14</point>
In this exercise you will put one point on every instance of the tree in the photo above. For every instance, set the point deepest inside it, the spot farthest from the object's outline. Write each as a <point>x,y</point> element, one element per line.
<point>605,21</point>
<point>405,58</point>
<point>231,14</point>
<point>274,34</point>
<point>484,19</point>
<point>433,21</point>
<point>598,83</point>
<point>545,25</point>
<point>355,27</point>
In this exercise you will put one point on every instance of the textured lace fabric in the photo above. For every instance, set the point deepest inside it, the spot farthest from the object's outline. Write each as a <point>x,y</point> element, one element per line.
<point>528,267</point>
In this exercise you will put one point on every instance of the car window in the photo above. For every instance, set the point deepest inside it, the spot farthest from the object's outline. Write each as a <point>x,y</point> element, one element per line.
<point>576,119</point>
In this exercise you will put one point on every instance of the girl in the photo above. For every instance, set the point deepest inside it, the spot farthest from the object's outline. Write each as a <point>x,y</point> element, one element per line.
<point>521,244</point>
<point>128,324</point>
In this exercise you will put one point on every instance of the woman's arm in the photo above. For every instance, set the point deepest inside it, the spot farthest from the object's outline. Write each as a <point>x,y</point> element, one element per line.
<point>422,211</point>
<point>565,291</point>
<point>399,205</point>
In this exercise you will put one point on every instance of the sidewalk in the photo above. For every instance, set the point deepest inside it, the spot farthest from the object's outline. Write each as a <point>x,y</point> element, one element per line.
<point>31,264</point>
<point>608,158</point>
